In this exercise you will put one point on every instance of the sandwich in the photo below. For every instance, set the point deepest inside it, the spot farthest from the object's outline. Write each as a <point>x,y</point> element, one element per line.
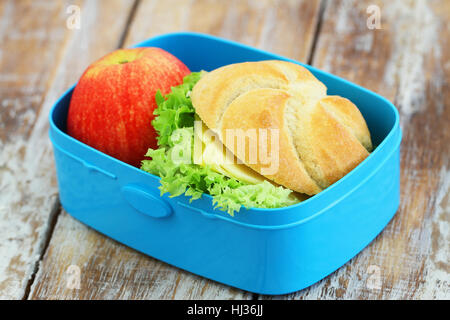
<point>255,134</point>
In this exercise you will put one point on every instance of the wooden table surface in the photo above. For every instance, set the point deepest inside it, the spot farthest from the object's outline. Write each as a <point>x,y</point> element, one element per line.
<point>42,53</point>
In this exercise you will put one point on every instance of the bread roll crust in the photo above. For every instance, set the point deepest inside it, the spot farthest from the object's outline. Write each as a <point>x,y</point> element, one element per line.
<point>320,138</point>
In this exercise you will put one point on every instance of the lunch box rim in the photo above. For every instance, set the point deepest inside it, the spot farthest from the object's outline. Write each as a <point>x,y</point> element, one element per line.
<point>394,130</point>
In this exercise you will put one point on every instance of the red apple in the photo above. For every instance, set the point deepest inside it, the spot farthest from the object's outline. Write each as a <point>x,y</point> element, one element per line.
<point>112,105</point>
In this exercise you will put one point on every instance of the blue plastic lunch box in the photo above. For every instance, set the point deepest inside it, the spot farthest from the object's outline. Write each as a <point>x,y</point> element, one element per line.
<point>266,251</point>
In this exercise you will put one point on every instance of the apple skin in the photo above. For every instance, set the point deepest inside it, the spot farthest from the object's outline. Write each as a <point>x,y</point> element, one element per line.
<point>112,105</point>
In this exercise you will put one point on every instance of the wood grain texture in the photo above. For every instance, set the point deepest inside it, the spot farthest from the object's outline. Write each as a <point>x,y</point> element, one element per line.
<point>285,27</point>
<point>28,192</point>
<point>110,270</point>
<point>408,62</point>
<point>39,58</point>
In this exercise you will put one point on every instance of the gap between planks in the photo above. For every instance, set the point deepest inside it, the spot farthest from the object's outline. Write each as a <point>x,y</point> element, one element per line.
<point>53,218</point>
<point>130,19</point>
<point>318,29</point>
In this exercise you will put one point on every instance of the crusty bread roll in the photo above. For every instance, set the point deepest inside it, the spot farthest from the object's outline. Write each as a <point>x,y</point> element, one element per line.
<point>321,138</point>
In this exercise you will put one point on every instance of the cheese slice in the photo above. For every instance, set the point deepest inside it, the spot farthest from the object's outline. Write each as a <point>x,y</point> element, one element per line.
<point>214,154</point>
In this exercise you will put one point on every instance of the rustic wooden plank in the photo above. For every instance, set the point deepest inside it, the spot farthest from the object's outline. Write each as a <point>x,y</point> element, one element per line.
<point>408,62</point>
<point>23,82</point>
<point>36,42</point>
<point>110,270</point>
<point>283,27</point>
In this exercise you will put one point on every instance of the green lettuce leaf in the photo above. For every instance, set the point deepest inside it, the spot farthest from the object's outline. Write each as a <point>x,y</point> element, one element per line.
<point>174,111</point>
<point>172,161</point>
